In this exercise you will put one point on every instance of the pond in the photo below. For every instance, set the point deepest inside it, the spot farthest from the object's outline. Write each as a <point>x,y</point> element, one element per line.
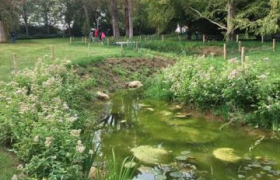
<point>171,143</point>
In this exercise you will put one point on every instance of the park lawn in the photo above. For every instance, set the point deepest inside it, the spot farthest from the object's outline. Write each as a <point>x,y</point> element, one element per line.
<point>29,51</point>
<point>8,165</point>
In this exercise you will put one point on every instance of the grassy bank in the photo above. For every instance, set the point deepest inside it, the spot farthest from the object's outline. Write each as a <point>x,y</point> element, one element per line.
<point>7,165</point>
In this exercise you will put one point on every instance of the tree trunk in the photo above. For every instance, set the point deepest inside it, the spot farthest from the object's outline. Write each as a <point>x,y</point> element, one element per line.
<point>25,18</point>
<point>87,22</point>
<point>115,19</point>
<point>130,19</point>
<point>126,19</point>
<point>231,8</point>
<point>2,33</point>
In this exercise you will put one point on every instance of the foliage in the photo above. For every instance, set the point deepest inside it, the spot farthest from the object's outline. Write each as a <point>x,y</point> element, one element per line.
<point>38,117</point>
<point>252,89</point>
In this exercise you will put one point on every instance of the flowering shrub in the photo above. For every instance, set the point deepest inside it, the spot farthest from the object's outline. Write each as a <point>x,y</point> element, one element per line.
<point>253,89</point>
<point>38,117</point>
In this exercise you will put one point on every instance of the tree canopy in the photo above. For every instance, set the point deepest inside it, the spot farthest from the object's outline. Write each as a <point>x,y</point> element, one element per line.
<point>129,17</point>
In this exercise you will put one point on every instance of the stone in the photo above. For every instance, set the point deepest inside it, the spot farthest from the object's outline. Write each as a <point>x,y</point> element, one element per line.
<point>135,84</point>
<point>93,173</point>
<point>102,96</point>
<point>226,154</point>
<point>182,115</point>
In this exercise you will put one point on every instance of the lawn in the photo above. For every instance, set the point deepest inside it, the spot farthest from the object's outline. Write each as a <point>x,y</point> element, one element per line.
<point>7,165</point>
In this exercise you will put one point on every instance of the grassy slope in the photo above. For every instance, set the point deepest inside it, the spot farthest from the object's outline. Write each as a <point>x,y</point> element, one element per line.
<point>28,52</point>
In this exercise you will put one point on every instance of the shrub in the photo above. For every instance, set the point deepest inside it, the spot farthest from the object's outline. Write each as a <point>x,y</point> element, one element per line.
<point>39,118</point>
<point>253,89</point>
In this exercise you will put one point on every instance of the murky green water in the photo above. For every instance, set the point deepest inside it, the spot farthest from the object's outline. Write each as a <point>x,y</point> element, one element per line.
<point>131,122</point>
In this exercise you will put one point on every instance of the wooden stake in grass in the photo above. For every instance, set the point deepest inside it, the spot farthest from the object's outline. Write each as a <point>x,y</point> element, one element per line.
<point>262,39</point>
<point>225,51</point>
<point>274,45</point>
<point>122,48</point>
<point>88,49</point>
<point>237,38</point>
<point>108,42</point>
<point>52,52</point>
<point>243,57</point>
<point>136,46</point>
<point>15,67</point>
<point>239,46</point>
<point>203,38</point>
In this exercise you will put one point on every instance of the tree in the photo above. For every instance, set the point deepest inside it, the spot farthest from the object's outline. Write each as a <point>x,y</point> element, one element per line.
<point>261,19</point>
<point>26,7</point>
<point>9,19</point>
<point>115,18</point>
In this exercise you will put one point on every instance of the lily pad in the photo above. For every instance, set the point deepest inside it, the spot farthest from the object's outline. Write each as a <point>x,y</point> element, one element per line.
<point>226,154</point>
<point>148,154</point>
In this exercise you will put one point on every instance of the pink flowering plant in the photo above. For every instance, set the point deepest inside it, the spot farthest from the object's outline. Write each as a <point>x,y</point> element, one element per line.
<point>252,89</point>
<point>40,121</point>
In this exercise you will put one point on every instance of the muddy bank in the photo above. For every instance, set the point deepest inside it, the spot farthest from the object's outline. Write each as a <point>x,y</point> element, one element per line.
<point>113,74</point>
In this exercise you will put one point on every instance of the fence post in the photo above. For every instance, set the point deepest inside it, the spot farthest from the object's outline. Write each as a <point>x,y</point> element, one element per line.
<point>108,41</point>
<point>262,39</point>
<point>15,67</point>
<point>136,46</point>
<point>88,49</point>
<point>52,52</point>
<point>274,45</point>
<point>237,38</point>
<point>239,46</point>
<point>203,38</point>
<point>225,51</point>
<point>243,57</point>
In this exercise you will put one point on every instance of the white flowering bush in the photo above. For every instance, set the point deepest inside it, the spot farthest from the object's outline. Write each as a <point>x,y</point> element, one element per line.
<point>39,120</point>
<point>253,89</point>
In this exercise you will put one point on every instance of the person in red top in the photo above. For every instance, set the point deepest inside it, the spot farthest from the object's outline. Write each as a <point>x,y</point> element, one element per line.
<point>96,33</point>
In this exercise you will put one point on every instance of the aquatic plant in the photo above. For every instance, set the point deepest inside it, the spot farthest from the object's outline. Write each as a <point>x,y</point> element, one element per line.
<point>226,154</point>
<point>148,154</point>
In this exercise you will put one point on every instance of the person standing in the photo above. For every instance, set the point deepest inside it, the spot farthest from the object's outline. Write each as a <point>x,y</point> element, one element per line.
<point>13,35</point>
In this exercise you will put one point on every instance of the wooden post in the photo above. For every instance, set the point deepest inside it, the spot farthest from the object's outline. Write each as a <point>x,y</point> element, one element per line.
<point>225,51</point>
<point>122,48</point>
<point>162,37</point>
<point>274,45</point>
<point>203,38</point>
<point>237,38</point>
<point>262,39</point>
<point>136,46</point>
<point>85,40</point>
<point>88,49</point>
<point>108,42</point>
<point>15,67</point>
<point>243,58</point>
<point>239,46</point>
<point>52,52</point>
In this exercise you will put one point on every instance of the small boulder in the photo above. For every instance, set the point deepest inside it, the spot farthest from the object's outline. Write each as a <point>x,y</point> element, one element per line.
<point>226,154</point>
<point>135,84</point>
<point>93,173</point>
<point>183,115</point>
<point>102,96</point>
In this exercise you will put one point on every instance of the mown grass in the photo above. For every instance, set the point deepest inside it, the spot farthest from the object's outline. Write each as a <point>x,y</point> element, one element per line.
<point>7,165</point>
<point>28,52</point>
